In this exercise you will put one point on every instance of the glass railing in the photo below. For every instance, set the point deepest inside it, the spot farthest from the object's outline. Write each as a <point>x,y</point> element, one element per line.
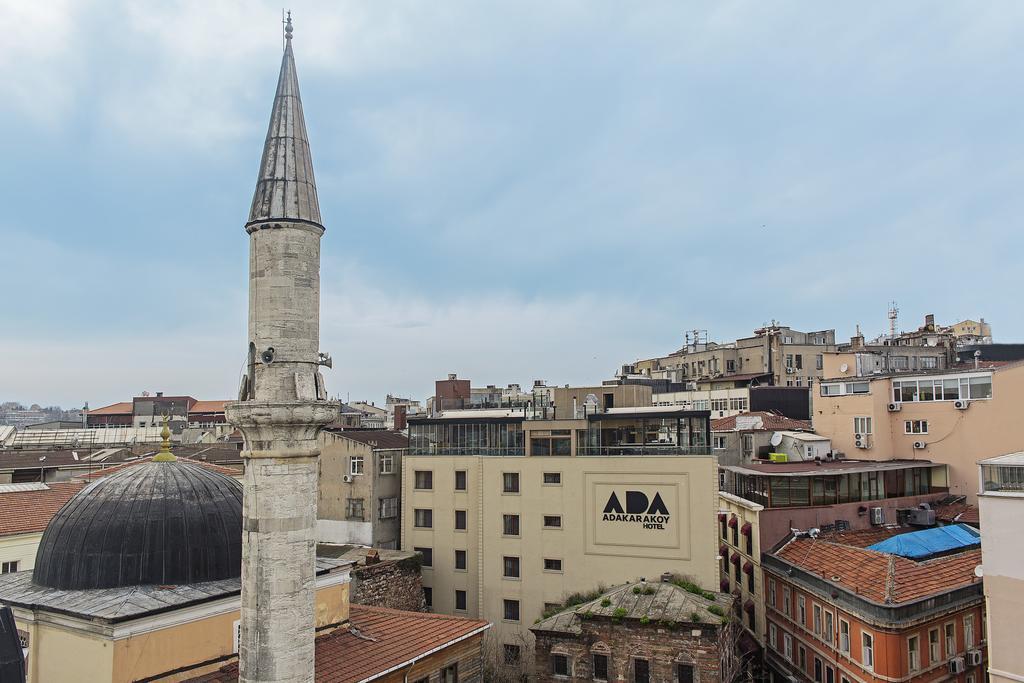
<point>645,449</point>
<point>468,450</point>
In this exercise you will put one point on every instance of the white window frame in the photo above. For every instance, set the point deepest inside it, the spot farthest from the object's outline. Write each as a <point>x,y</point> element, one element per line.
<point>773,634</point>
<point>801,609</point>
<point>718,442</point>
<point>818,619</point>
<point>9,567</point>
<point>867,650</point>
<point>355,465</point>
<point>844,636</point>
<point>828,627</point>
<point>787,646</point>
<point>968,631</point>
<point>949,640</point>
<point>914,652</point>
<point>387,463</point>
<point>862,424</point>
<point>934,647</point>
<point>915,426</point>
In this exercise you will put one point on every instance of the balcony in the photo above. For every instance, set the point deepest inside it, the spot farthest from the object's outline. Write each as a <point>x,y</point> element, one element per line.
<point>644,449</point>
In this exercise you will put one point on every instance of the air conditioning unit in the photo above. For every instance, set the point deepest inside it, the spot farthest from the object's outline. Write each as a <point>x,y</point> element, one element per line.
<point>919,517</point>
<point>862,440</point>
<point>956,666</point>
<point>919,445</point>
<point>347,478</point>
<point>895,407</point>
<point>974,658</point>
<point>877,516</point>
<point>961,404</point>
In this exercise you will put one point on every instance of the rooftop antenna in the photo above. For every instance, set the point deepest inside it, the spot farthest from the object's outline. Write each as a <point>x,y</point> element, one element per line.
<point>894,313</point>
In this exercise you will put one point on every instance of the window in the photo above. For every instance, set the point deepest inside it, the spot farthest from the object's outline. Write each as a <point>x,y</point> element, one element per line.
<point>786,599</point>
<point>830,675</point>
<point>858,388</point>
<point>723,526</point>
<point>819,362</point>
<point>460,600</point>
<point>510,525</point>
<point>513,653</point>
<point>950,633</point>
<point>718,442</point>
<point>386,464</point>
<point>511,610</point>
<point>355,464</point>
<point>801,658</point>
<point>450,674</point>
<point>551,565</point>
<point>428,596</point>
<point>641,671</point>
<point>969,631</point>
<point>844,636</point>
<point>738,404</point>
<point>773,636</point>
<point>388,508</point>
<point>721,404</point>
<point>928,362</point>
<point>354,508</point>
<point>684,673</point>
<point>787,646</point>
<point>750,582</point>
<point>831,389</point>
<point>460,559</point>
<point>915,426</point>
<point>789,360</point>
<point>801,610</point>
<point>933,646</point>
<point>867,650</point>
<point>510,482</point>
<point>771,594</point>
<point>600,667</point>
<point>511,566</point>
<point>423,518</point>
<point>460,520</point>
<point>424,480</point>
<point>818,670</point>
<point>816,609</point>
<point>552,521</point>
<point>799,361</point>
<point>9,567</point>
<point>552,478</point>
<point>829,630</point>
<point>862,425</point>
<point>914,653</point>
<point>559,665</point>
<point>460,480</point>
<point>428,556</point>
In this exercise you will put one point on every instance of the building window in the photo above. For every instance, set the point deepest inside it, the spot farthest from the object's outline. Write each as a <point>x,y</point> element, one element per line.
<point>914,653</point>
<point>862,425</point>
<point>551,565</point>
<point>787,646</point>
<point>9,567</point>
<point>723,525</point>
<point>739,404</point>
<point>684,673</point>
<point>513,654</point>
<point>460,600</point>
<point>460,559</point>
<point>388,508</point>
<point>789,360</point>
<point>424,480</point>
<point>830,675</point>
<point>771,594</point>
<point>799,361</point>
<point>511,610</point>
<point>354,508</point>
<point>969,631</point>
<point>950,633</point>
<point>510,482</point>
<point>600,667</point>
<point>460,520</point>
<point>450,674</point>
<point>510,525</point>
<point>829,628</point>
<point>818,670</point>
<point>915,426</point>
<point>428,596</point>
<point>801,658</point>
<point>933,646</point>
<point>355,465</point>
<point>423,518</point>
<point>819,362</point>
<point>749,544</point>
<point>720,404</point>
<point>560,665</point>
<point>553,478</point>
<point>801,611</point>
<point>641,671</point>
<point>816,609</point>
<point>867,651</point>
<point>773,637</point>
<point>387,463</point>
<point>460,480</point>
<point>511,567</point>
<point>718,442</point>
<point>786,599</point>
<point>428,556</point>
<point>552,521</point>
<point>844,636</point>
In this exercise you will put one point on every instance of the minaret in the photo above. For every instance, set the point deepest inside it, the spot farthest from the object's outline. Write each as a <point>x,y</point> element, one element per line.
<point>282,402</point>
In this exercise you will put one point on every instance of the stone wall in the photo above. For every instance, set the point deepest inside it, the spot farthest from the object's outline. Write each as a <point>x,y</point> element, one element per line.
<point>390,583</point>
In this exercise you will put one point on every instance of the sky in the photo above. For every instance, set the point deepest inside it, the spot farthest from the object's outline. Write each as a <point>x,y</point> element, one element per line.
<point>539,189</point>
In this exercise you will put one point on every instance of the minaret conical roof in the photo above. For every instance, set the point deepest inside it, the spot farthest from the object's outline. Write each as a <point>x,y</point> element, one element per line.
<point>286,189</point>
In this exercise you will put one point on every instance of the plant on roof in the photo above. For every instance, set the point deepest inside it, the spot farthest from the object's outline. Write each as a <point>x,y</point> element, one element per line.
<point>648,590</point>
<point>606,602</point>
<point>716,610</point>
<point>619,613</point>
<point>645,619</point>
<point>637,590</point>
<point>695,617</point>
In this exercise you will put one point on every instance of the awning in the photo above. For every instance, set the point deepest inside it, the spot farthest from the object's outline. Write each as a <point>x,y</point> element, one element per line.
<point>733,522</point>
<point>723,585</point>
<point>748,567</point>
<point>735,559</point>
<point>723,550</point>
<point>748,606</point>
<point>746,529</point>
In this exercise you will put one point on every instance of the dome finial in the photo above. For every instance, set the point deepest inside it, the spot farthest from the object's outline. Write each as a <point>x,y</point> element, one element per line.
<point>288,26</point>
<point>165,454</point>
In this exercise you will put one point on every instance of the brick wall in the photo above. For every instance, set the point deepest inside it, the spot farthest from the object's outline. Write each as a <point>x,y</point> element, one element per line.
<point>467,655</point>
<point>394,584</point>
<point>622,642</point>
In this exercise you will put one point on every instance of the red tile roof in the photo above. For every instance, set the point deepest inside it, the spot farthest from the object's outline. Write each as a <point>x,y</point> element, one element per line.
<point>386,639</point>
<point>107,471</point>
<point>375,438</point>
<point>769,422</point>
<point>208,407</point>
<point>958,511</point>
<point>23,512</point>
<point>881,577</point>
<point>123,408</point>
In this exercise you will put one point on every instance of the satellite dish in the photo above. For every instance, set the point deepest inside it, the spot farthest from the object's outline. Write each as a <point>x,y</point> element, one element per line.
<point>844,367</point>
<point>979,572</point>
<point>776,439</point>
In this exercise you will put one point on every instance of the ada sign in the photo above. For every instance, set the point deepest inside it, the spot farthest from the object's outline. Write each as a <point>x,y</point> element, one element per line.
<point>648,513</point>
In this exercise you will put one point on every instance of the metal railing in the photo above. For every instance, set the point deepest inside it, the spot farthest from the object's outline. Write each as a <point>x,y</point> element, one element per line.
<point>468,450</point>
<point>645,449</point>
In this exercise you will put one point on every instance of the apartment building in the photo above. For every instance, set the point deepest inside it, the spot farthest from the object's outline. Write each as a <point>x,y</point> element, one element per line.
<point>512,514</point>
<point>747,437</point>
<point>956,417</point>
<point>737,397</point>
<point>874,609</point>
<point>1001,503</point>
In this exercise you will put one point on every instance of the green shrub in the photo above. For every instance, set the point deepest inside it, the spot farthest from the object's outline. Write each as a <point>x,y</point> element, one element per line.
<point>645,619</point>
<point>716,610</point>
<point>695,617</point>
<point>619,613</point>
<point>637,590</point>
<point>606,602</point>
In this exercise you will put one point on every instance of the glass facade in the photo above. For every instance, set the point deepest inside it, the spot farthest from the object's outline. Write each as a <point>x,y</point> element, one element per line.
<point>647,436</point>
<point>466,438</point>
<point>802,491</point>
<point>1002,477</point>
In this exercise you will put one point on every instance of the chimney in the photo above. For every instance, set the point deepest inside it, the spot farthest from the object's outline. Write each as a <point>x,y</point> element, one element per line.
<point>372,556</point>
<point>929,322</point>
<point>159,394</point>
<point>453,375</point>
<point>857,341</point>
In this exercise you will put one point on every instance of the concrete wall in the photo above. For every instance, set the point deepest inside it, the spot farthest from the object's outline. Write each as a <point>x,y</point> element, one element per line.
<point>20,548</point>
<point>1003,562</point>
<point>334,525</point>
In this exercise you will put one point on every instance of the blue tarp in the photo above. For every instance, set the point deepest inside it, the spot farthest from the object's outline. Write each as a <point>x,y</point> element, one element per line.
<point>920,544</point>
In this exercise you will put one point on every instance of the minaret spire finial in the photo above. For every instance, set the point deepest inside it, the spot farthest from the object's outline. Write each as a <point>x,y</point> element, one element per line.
<point>288,27</point>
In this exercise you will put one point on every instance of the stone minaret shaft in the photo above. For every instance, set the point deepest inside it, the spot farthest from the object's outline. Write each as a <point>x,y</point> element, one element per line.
<point>282,403</point>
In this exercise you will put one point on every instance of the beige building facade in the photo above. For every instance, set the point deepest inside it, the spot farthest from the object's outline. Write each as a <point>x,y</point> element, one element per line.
<point>507,535</point>
<point>953,417</point>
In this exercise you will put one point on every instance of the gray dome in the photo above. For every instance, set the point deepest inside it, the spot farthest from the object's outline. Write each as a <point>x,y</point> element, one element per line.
<point>165,523</point>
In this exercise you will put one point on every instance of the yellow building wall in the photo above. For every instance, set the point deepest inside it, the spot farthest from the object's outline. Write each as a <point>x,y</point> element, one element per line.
<point>20,548</point>
<point>57,655</point>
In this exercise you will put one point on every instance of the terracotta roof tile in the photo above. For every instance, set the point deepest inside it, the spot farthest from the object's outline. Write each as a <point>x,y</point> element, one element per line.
<point>23,512</point>
<point>770,422</point>
<point>208,407</point>
<point>387,638</point>
<point>376,438</point>
<point>122,408</point>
